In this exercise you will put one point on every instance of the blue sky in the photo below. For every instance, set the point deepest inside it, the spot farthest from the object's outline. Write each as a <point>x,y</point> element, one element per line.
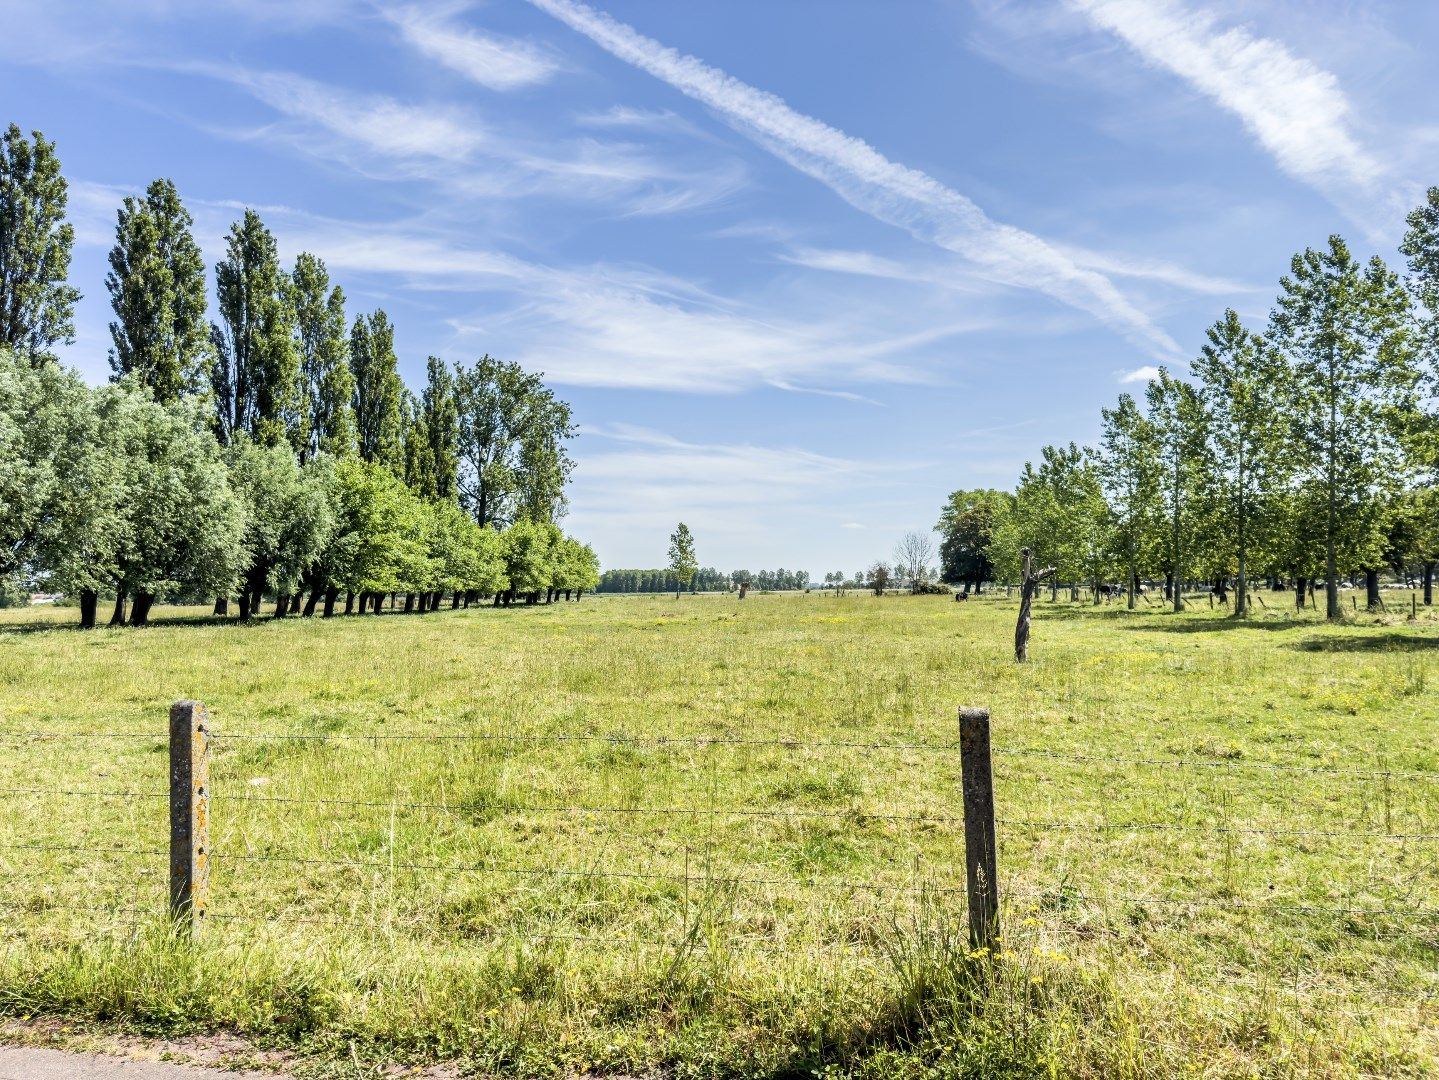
<point>802,266</point>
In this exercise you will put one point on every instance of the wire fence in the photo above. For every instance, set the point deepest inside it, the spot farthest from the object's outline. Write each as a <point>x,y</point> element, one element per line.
<point>991,891</point>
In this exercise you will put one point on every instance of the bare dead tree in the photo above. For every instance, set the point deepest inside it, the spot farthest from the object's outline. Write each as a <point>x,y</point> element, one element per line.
<point>912,557</point>
<point>1030,581</point>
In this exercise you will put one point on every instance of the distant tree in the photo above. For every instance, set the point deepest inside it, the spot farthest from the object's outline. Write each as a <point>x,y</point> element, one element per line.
<point>1241,382</point>
<point>966,528</point>
<point>1177,415</point>
<point>512,436</point>
<point>878,578</point>
<point>1421,248</point>
<point>1346,332</point>
<point>912,557</point>
<point>528,550</point>
<point>327,384</point>
<point>682,556</point>
<point>432,436</point>
<point>379,393</point>
<point>157,290</point>
<point>255,377</point>
<point>36,305</point>
<point>1061,516</point>
<point>289,518</point>
<point>185,532</point>
<point>1130,469</point>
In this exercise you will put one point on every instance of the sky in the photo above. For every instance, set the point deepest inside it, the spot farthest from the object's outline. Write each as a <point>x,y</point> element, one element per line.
<point>801,267</point>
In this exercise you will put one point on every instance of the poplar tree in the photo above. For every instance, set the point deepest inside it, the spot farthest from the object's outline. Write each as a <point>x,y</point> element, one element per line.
<point>37,307</point>
<point>379,393</point>
<point>327,386</point>
<point>1421,247</point>
<point>1177,414</point>
<point>1128,466</point>
<point>1241,379</point>
<point>683,563</point>
<point>1345,329</point>
<point>440,428</point>
<point>157,290</point>
<point>256,375</point>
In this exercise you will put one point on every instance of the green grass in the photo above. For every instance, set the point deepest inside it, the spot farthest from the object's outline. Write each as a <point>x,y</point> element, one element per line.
<point>841,951</point>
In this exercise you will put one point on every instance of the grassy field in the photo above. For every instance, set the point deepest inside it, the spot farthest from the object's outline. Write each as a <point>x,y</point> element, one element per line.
<point>776,905</point>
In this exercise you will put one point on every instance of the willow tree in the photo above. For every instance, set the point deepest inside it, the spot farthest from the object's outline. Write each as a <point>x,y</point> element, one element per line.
<point>1346,331</point>
<point>1242,381</point>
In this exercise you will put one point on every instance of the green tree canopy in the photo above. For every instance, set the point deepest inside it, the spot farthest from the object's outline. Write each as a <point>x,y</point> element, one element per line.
<point>36,305</point>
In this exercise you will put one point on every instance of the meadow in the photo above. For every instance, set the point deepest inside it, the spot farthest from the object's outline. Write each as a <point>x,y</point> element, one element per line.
<point>712,837</point>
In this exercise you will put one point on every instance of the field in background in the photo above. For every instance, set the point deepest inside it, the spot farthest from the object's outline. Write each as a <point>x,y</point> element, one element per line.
<point>754,873</point>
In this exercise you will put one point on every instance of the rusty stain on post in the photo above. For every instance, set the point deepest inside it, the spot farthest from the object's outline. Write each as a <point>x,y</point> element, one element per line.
<point>979,841</point>
<point>189,815</point>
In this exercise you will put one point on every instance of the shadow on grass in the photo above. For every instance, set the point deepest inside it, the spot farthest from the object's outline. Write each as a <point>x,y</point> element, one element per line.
<point>159,619</point>
<point>1386,641</point>
<point>1220,623</point>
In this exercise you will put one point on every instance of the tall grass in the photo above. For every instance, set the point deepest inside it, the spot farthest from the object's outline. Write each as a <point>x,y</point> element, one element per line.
<point>572,905</point>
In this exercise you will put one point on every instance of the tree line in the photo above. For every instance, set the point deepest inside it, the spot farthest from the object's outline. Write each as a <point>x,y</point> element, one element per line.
<point>705,579</point>
<point>1299,453</point>
<point>272,451</point>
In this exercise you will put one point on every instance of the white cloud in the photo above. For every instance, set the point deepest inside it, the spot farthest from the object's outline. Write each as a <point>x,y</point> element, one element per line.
<point>893,193</point>
<point>498,63</point>
<point>597,324</point>
<point>1140,374</point>
<point>1295,109</point>
<point>378,124</point>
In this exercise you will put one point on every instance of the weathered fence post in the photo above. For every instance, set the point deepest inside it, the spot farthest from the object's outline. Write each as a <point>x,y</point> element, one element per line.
<point>979,842</point>
<point>189,815</point>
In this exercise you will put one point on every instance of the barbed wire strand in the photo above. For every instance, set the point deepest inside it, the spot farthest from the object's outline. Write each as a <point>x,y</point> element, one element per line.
<point>702,741</point>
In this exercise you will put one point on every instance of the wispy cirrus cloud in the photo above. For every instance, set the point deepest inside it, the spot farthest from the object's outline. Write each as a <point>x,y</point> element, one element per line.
<point>1295,109</point>
<point>376,123</point>
<point>492,61</point>
<point>593,324</point>
<point>860,174</point>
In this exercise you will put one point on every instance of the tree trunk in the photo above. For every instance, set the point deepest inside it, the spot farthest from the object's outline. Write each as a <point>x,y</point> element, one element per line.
<point>331,595</point>
<point>89,602</point>
<point>117,617</point>
<point>1428,584</point>
<point>1371,590</point>
<point>244,605</point>
<point>222,605</point>
<point>140,610</point>
<point>313,601</point>
<point>455,602</point>
<point>409,602</point>
<point>1299,584</point>
<point>282,605</point>
<point>349,603</point>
